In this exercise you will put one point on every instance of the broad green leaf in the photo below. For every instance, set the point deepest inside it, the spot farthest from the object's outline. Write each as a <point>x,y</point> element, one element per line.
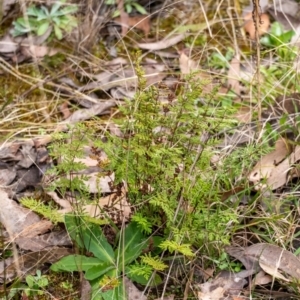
<point>276,29</point>
<point>96,292</point>
<point>73,263</point>
<point>22,22</point>
<point>16,33</point>
<point>55,7</point>
<point>65,11</point>
<point>43,14</point>
<point>90,237</point>
<point>30,280</point>
<point>43,28</point>
<point>131,243</point>
<point>98,270</point>
<point>58,32</point>
<point>139,8</point>
<point>128,8</point>
<point>265,40</point>
<point>95,242</point>
<point>32,11</point>
<point>117,293</point>
<point>74,225</point>
<point>287,36</point>
<point>56,20</point>
<point>20,28</point>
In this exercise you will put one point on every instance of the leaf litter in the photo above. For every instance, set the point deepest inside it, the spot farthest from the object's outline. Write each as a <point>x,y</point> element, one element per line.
<point>265,262</point>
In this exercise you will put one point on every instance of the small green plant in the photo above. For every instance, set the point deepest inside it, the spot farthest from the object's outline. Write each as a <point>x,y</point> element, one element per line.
<point>224,263</point>
<point>104,270</point>
<point>279,40</point>
<point>33,287</point>
<point>129,5</point>
<point>40,19</point>
<point>220,61</point>
<point>36,284</point>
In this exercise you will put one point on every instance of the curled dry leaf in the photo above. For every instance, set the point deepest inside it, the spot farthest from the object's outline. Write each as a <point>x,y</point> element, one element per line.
<point>274,260</point>
<point>125,77</point>
<point>14,217</point>
<point>273,167</point>
<point>139,22</point>
<point>87,113</point>
<point>163,44</point>
<point>38,51</point>
<point>261,278</point>
<point>226,283</point>
<point>263,25</point>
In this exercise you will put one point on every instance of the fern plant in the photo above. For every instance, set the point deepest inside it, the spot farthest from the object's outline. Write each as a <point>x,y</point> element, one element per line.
<point>164,158</point>
<point>163,162</point>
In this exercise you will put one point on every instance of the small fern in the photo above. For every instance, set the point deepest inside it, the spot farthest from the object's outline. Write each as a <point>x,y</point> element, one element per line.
<point>154,262</point>
<point>142,222</point>
<point>173,246</point>
<point>45,210</point>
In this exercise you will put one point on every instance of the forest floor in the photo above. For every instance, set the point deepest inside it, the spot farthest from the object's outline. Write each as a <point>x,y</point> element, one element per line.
<point>149,150</point>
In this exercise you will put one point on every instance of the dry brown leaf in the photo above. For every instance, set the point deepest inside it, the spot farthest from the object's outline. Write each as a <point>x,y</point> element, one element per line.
<point>33,230</point>
<point>109,205</point>
<point>38,51</point>
<point>45,241</point>
<point>7,176</point>
<point>261,278</point>
<point>163,44</point>
<point>64,109</point>
<point>87,113</point>
<point>271,164</point>
<point>8,45</point>
<point>263,27</point>
<point>65,204</point>
<point>14,217</point>
<point>284,171</point>
<point>132,291</point>
<point>126,77</point>
<point>244,114</point>
<point>98,184</point>
<point>140,22</point>
<point>225,283</point>
<point>215,294</point>
<point>234,75</point>
<point>287,104</point>
<point>271,258</point>
<point>273,271</point>
<point>188,65</point>
<point>30,262</point>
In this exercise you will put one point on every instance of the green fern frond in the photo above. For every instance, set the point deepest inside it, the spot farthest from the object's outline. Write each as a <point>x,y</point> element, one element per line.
<point>142,222</point>
<point>47,211</point>
<point>154,262</point>
<point>173,246</point>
